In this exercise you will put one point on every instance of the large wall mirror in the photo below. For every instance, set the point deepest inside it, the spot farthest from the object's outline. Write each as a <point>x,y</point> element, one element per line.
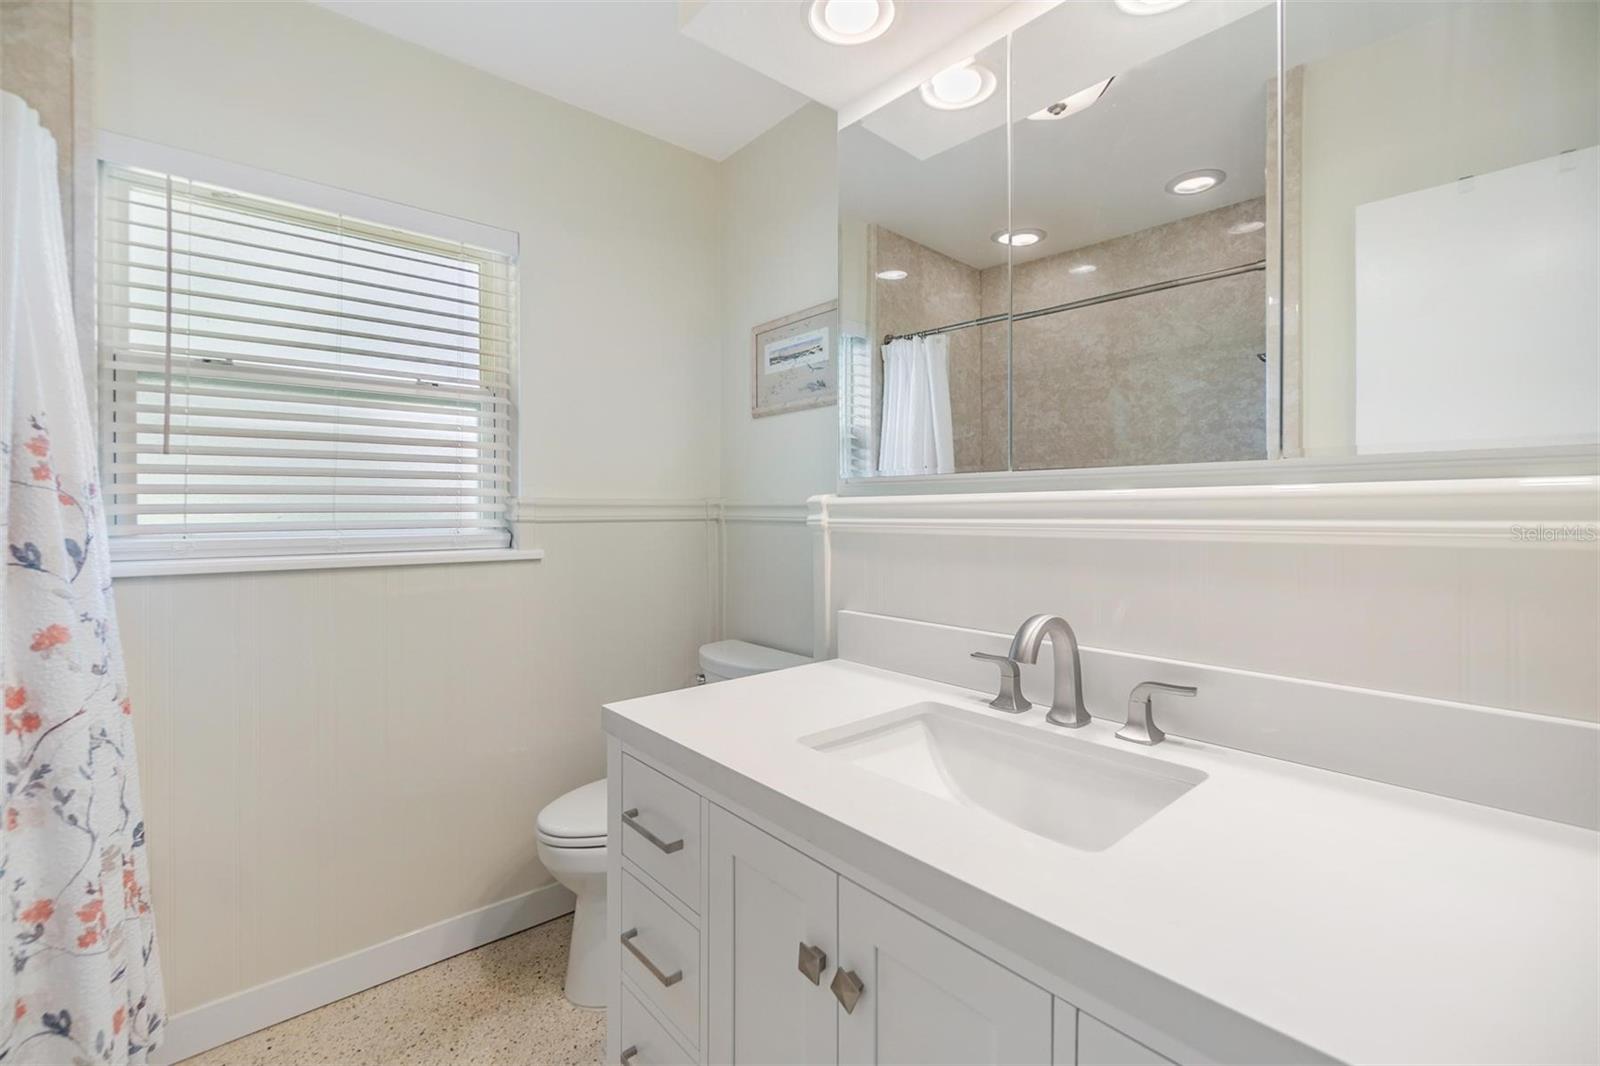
<point>1146,235</point>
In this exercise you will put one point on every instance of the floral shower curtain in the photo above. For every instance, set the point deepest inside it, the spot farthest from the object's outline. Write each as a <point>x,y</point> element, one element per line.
<point>81,981</point>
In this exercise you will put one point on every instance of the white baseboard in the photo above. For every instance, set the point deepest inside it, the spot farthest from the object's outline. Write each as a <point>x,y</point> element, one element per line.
<point>215,1023</point>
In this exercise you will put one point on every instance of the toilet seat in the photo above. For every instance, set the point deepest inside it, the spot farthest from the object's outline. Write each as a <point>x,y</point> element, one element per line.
<point>576,819</point>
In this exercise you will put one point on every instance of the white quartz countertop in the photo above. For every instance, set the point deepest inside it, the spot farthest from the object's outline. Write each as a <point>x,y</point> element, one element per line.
<point>1367,922</point>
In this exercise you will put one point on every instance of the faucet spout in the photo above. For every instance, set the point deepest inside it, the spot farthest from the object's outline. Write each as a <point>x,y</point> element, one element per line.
<point>1066,703</point>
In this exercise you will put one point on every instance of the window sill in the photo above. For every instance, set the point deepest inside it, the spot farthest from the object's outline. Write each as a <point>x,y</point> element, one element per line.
<point>256,564</point>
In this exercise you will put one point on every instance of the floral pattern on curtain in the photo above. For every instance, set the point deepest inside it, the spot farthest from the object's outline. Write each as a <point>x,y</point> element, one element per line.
<point>81,978</point>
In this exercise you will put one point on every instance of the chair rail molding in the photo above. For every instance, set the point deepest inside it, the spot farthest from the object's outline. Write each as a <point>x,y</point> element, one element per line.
<point>541,510</point>
<point>1546,512</point>
<point>765,513</point>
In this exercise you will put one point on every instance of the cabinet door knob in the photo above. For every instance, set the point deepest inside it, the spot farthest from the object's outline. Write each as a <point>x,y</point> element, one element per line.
<point>813,960</point>
<point>847,989</point>
<point>627,1057</point>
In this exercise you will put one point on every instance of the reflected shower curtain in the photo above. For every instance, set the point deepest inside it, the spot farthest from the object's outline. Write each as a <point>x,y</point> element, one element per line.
<point>918,437</point>
<point>81,980</point>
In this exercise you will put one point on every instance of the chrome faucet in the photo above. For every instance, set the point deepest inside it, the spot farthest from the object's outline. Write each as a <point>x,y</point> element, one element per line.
<point>1064,642</point>
<point>1010,697</point>
<point>1141,727</point>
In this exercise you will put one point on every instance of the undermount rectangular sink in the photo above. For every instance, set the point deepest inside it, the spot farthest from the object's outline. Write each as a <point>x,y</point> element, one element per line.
<point>1063,789</point>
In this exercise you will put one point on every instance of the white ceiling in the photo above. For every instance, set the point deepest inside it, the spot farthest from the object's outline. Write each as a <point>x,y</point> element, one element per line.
<point>1070,48</point>
<point>772,36</point>
<point>1181,101</point>
<point>623,59</point>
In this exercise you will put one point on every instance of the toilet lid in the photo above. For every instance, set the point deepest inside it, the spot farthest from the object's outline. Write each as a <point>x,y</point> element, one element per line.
<point>580,815</point>
<point>739,658</point>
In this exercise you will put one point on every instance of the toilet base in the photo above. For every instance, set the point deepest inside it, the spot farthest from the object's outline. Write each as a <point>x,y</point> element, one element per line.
<point>586,962</point>
<point>583,870</point>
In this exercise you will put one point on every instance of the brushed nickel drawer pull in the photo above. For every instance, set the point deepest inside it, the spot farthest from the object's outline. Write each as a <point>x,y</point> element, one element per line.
<point>847,989</point>
<point>629,1054</point>
<point>630,818</point>
<point>667,979</point>
<point>813,960</point>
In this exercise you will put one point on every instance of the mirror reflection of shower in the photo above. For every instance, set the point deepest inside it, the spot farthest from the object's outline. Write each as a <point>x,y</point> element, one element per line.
<point>1112,311</point>
<point>1104,265</point>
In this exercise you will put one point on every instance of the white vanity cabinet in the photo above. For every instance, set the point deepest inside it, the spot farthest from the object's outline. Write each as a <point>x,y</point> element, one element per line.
<point>928,998</point>
<point>1101,1045</point>
<point>770,909</point>
<point>804,966</point>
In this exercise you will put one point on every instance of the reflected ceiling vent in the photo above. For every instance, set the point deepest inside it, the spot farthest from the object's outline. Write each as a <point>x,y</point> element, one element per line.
<point>1195,181</point>
<point>967,84</point>
<point>1071,105</point>
<point>891,275</point>
<point>1148,7</point>
<point>850,21</point>
<point>1020,238</point>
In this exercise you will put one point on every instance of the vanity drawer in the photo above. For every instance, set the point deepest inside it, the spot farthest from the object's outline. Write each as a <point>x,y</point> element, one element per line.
<point>661,829</point>
<point>661,957</point>
<point>645,1041</point>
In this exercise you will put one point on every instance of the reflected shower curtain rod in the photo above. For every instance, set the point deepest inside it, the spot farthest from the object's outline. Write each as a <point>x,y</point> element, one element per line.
<point>1089,301</point>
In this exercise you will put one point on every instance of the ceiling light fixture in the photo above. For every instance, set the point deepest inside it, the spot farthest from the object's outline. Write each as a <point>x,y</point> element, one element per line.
<point>850,21</point>
<point>967,84</point>
<point>1020,238</point>
<point>1195,181</point>
<point>891,275</point>
<point>1246,227</point>
<point>1082,268</point>
<point>1148,7</point>
<point>1071,105</point>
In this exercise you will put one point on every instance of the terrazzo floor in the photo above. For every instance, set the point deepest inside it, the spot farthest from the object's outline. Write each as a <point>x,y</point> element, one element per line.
<point>499,1005</point>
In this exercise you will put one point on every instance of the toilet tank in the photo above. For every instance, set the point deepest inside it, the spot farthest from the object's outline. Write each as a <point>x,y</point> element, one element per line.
<point>728,659</point>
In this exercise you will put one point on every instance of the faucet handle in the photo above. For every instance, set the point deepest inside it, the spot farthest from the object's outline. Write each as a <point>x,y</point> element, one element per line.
<point>1010,697</point>
<point>1141,727</point>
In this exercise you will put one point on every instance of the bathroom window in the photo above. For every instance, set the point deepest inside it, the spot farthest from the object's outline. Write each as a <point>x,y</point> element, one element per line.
<point>284,379</point>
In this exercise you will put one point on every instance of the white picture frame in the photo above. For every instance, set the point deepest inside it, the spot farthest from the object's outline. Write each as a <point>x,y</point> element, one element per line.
<point>792,363</point>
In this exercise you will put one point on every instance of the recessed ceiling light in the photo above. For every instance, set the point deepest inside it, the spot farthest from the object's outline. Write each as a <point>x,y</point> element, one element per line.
<point>966,84</point>
<point>891,275</point>
<point>1246,227</point>
<point>1018,238</point>
<point>1148,7</point>
<point>1194,181</point>
<point>1071,105</point>
<point>1082,268</point>
<point>850,21</point>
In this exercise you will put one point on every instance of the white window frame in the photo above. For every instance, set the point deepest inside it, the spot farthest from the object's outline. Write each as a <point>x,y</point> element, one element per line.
<point>122,151</point>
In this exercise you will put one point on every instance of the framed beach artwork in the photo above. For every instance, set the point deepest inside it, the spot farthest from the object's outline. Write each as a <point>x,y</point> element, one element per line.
<point>792,361</point>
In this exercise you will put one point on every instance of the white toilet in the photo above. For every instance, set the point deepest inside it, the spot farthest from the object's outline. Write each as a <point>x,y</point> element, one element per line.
<point>572,832</point>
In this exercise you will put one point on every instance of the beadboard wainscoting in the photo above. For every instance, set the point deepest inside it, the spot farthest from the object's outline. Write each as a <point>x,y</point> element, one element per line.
<point>1478,592</point>
<point>336,761</point>
<point>767,575</point>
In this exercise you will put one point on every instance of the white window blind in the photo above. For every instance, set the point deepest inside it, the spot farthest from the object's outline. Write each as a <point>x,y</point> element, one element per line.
<point>280,380</point>
<point>860,455</point>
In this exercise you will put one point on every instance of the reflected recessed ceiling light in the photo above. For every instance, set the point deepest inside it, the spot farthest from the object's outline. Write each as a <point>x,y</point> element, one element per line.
<point>1071,105</point>
<point>1017,238</point>
<point>1082,268</point>
<point>1195,181</point>
<point>850,21</point>
<point>891,275</point>
<point>966,84</point>
<point>1246,227</point>
<point>1148,7</point>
